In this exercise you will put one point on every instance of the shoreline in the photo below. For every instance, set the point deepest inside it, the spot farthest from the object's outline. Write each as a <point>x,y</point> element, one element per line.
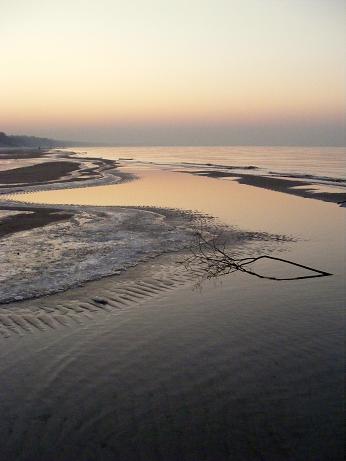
<point>52,250</point>
<point>45,249</point>
<point>91,242</point>
<point>93,171</point>
<point>275,184</point>
<point>57,169</point>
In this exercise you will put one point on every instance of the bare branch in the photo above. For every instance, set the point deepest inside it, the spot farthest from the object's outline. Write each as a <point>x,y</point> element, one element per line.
<point>215,261</point>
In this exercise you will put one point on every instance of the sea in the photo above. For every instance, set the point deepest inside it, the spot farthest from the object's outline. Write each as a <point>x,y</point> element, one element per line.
<point>325,165</point>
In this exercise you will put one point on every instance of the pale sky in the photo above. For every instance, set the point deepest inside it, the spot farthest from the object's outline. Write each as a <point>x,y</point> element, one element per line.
<point>174,72</point>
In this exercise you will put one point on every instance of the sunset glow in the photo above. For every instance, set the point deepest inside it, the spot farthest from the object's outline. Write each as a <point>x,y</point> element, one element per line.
<point>69,65</point>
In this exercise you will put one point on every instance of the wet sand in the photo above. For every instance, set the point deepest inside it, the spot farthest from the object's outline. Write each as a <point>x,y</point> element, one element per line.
<point>276,184</point>
<point>45,173</point>
<point>37,174</point>
<point>20,153</point>
<point>53,167</point>
<point>30,219</point>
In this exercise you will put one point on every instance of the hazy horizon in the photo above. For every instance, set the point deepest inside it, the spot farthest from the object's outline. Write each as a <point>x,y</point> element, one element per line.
<point>157,73</point>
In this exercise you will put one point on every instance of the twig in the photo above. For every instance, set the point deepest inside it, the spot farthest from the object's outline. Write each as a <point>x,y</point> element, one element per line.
<point>216,261</point>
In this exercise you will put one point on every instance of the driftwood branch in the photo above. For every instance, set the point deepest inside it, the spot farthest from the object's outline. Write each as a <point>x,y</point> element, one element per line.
<point>212,256</point>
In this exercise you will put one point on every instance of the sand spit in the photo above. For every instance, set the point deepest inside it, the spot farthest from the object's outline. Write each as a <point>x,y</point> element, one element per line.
<point>300,187</point>
<point>56,170</point>
<point>52,171</point>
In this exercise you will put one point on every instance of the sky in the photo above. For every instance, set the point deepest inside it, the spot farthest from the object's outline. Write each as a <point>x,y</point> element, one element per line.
<point>179,72</point>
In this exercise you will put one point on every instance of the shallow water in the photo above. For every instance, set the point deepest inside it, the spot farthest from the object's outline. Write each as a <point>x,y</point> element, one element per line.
<point>318,224</point>
<point>233,203</point>
<point>243,369</point>
<point>317,161</point>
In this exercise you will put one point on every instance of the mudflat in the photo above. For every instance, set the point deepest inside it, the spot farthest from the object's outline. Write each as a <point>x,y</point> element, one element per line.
<point>289,186</point>
<point>31,218</point>
<point>48,171</point>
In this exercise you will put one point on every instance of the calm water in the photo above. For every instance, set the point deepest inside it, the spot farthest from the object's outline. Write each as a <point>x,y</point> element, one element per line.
<point>249,208</point>
<point>244,370</point>
<point>321,162</point>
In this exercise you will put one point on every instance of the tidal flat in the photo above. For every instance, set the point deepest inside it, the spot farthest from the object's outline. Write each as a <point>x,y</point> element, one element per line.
<point>114,350</point>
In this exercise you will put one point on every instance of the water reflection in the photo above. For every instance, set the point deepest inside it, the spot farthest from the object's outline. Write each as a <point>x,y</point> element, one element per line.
<point>235,204</point>
<point>215,259</point>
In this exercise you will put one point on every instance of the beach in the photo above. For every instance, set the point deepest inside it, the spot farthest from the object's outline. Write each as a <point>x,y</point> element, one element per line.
<point>112,349</point>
